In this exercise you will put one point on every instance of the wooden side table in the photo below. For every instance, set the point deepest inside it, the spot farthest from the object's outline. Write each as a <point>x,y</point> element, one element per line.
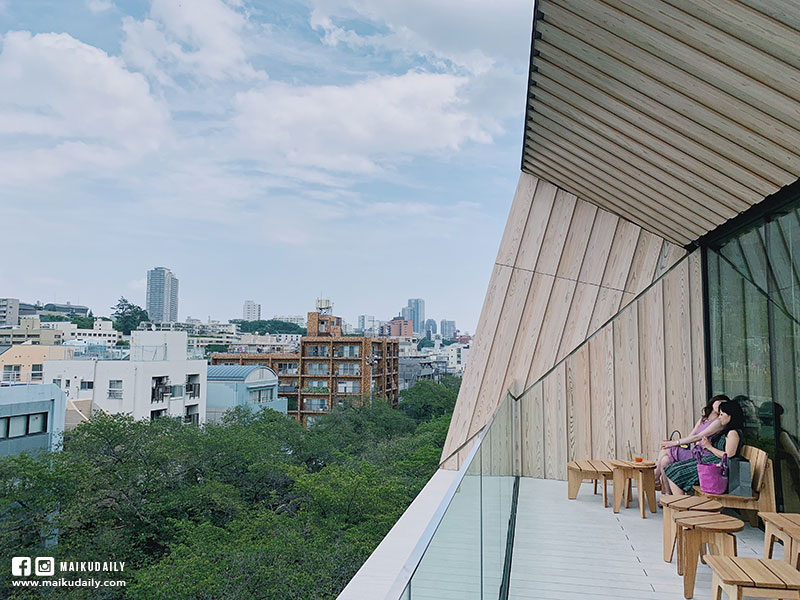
<point>696,528</point>
<point>753,577</point>
<point>674,505</point>
<point>784,527</point>
<point>644,473</point>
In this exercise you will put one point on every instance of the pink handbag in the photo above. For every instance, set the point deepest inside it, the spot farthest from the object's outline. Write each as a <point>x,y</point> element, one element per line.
<point>713,477</point>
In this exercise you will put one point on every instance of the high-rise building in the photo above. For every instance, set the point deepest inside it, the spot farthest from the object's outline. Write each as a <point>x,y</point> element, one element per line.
<point>447,329</point>
<point>251,311</point>
<point>162,295</point>
<point>417,306</point>
<point>397,327</point>
<point>366,323</point>
<point>430,328</point>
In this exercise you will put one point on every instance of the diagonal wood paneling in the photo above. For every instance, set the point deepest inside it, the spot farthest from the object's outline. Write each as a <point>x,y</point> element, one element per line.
<point>565,267</point>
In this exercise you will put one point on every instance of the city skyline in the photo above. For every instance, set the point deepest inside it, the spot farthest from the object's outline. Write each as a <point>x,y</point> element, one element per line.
<point>398,141</point>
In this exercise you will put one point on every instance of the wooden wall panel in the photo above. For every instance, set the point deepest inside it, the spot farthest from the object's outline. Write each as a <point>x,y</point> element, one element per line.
<point>575,268</point>
<point>627,401</point>
<point>579,411</point>
<point>528,333</point>
<point>555,423</point>
<point>678,350</point>
<point>601,364</point>
<point>515,227</point>
<point>532,416</point>
<point>652,372</point>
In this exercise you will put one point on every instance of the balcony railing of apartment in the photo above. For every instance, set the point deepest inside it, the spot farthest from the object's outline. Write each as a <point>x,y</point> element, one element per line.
<point>287,389</point>
<point>21,376</point>
<point>315,404</point>
<point>294,371</point>
<point>161,393</point>
<point>315,390</point>
<point>318,351</point>
<point>192,390</point>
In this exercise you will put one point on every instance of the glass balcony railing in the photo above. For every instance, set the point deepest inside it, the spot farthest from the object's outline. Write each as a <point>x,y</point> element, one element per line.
<point>468,549</point>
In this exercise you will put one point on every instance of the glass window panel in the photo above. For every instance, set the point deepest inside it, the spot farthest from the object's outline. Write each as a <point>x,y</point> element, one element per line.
<point>4,428</point>
<point>17,425</point>
<point>37,423</point>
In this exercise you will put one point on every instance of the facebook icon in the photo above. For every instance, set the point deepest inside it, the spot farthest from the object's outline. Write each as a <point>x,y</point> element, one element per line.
<point>20,566</point>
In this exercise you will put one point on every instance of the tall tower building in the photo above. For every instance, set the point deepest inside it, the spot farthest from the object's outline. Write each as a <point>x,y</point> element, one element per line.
<point>251,311</point>
<point>162,295</point>
<point>417,306</point>
<point>447,329</point>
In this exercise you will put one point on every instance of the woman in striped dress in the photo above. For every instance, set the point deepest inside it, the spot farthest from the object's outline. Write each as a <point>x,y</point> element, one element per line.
<point>682,476</point>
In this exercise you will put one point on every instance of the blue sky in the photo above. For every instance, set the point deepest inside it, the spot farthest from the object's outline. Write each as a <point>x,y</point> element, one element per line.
<point>364,150</point>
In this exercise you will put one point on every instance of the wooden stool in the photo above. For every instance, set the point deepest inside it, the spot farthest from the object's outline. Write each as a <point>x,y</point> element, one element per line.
<point>757,577</point>
<point>592,470</point>
<point>784,527</point>
<point>644,473</point>
<point>696,528</point>
<point>674,505</point>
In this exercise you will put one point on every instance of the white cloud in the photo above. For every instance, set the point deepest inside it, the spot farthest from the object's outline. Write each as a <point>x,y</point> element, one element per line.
<point>359,128</point>
<point>67,105</point>
<point>98,6</point>
<point>441,30</point>
<point>204,39</point>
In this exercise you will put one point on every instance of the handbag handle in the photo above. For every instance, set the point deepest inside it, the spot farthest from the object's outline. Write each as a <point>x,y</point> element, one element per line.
<point>671,435</point>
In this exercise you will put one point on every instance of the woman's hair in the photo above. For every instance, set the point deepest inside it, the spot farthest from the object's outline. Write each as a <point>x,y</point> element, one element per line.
<point>735,412</point>
<point>709,407</point>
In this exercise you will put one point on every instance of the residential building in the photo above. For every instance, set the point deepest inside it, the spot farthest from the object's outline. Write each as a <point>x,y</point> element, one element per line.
<point>24,363</point>
<point>649,262</point>
<point>251,311</point>
<point>157,379</point>
<point>298,320</point>
<point>412,369</point>
<point>407,314</point>
<point>397,327</point>
<point>102,332</point>
<point>30,330</point>
<point>269,343</point>
<point>417,308</point>
<point>407,346</point>
<point>31,418</point>
<point>252,386</point>
<point>9,312</point>
<point>162,295</point>
<point>457,355</point>
<point>329,368</point>
<point>447,329</point>
<point>193,327</point>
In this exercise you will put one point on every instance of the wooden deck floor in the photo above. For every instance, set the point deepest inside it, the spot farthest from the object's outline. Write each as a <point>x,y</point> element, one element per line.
<point>569,549</point>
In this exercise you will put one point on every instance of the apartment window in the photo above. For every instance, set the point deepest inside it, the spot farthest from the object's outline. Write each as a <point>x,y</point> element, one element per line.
<point>37,423</point>
<point>156,414</point>
<point>347,387</point>
<point>57,382</point>
<point>348,351</point>
<point>315,404</point>
<point>17,426</point>
<point>11,372</point>
<point>317,369</point>
<point>87,385</point>
<point>115,389</point>
<point>36,372</point>
<point>177,391</point>
<point>348,369</point>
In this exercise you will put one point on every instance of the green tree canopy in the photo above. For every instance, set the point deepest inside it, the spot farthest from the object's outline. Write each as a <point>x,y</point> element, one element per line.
<point>269,326</point>
<point>127,316</point>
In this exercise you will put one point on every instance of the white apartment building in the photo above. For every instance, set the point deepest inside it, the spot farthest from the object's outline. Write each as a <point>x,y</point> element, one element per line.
<point>102,332</point>
<point>157,379</point>
<point>9,311</point>
<point>298,320</point>
<point>251,311</point>
<point>457,355</point>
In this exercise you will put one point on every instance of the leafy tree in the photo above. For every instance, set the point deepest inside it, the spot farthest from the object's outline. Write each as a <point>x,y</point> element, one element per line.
<point>427,399</point>
<point>127,316</point>
<point>269,326</point>
<point>425,343</point>
<point>254,507</point>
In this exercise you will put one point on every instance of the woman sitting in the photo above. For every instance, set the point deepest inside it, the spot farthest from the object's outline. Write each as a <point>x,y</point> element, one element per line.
<point>708,426</point>
<point>682,476</point>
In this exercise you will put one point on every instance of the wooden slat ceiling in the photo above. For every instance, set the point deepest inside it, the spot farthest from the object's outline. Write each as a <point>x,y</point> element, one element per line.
<point>674,114</point>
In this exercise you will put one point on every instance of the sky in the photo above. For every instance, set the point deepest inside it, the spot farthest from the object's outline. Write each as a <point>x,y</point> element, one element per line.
<point>364,151</point>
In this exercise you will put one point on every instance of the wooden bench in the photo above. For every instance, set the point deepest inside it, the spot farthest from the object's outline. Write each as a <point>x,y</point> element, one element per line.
<point>786,528</point>
<point>755,577</point>
<point>763,498</point>
<point>579,471</point>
